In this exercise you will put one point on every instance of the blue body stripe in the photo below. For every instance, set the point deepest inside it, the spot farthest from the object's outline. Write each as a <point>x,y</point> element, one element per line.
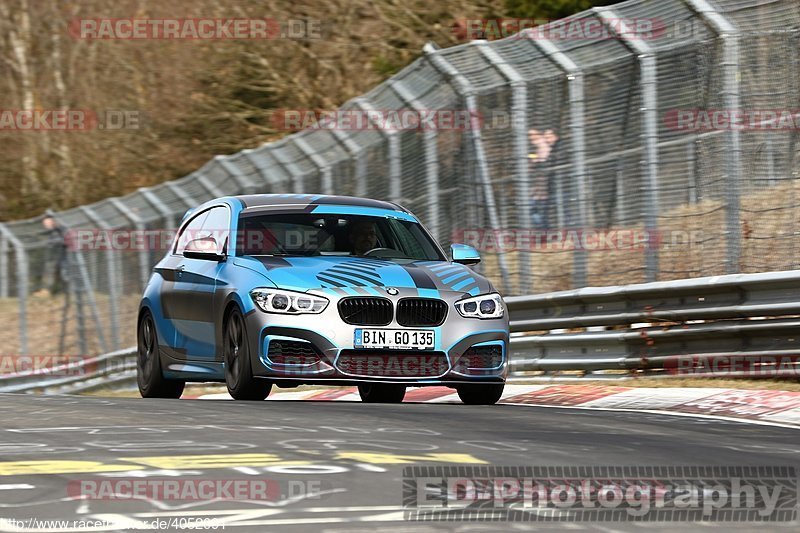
<point>462,284</point>
<point>366,211</point>
<point>450,279</point>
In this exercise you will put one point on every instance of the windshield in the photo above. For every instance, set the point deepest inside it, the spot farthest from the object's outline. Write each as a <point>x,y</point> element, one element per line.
<point>307,234</point>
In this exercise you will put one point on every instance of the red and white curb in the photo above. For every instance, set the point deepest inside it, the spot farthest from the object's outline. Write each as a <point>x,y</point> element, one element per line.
<point>763,406</point>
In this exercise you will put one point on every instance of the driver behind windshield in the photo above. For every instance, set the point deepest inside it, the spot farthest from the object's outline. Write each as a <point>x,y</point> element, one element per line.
<point>363,236</point>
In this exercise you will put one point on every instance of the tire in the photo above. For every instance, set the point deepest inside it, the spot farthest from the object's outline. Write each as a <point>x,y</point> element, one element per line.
<point>148,364</point>
<point>381,392</point>
<point>236,356</point>
<point>480,394</point>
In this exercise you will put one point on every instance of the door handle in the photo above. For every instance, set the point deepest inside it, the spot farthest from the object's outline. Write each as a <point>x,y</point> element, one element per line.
<point>180,270</point>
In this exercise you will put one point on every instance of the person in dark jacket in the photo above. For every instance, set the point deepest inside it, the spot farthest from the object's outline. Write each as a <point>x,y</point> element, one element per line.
<point>55,258</point>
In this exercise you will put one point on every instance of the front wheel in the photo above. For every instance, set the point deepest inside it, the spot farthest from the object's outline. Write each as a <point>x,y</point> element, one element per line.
<point>381,392</point>
<point>148,364</point>
<point>479,394</point>
<point>238,372</point>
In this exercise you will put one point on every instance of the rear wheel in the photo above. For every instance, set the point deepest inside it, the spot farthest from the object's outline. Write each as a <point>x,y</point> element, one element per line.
<point>238,372</point>
<point>480,394</point>
<point>148,364</point>
<point>381,392</point>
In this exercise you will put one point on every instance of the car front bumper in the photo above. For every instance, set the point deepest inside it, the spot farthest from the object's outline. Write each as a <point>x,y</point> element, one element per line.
<point>466,350</point>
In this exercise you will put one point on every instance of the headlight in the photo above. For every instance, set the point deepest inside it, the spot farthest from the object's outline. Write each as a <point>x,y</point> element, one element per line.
<point>485,306</point>
<point>288,302</point>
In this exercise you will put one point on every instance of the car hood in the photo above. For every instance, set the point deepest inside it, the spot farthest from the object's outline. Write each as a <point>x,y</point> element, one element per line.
<point>355,275</point>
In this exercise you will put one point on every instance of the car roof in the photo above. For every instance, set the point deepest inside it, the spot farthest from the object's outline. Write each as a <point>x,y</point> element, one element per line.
<point>259,200</point>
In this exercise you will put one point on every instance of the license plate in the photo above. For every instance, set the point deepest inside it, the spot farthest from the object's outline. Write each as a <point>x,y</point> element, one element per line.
<point>398,339</point>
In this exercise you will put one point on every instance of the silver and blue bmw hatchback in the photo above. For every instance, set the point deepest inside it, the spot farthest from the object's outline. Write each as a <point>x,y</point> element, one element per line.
<point>292,289</point>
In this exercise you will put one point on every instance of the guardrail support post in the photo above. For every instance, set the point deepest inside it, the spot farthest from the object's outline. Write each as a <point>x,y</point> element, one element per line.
<point>519,127</point>
<point>582,219</point>
<point>648,80</point>
<point>21,256</point>
<point>429,136</point>
<point>464,89</point>
<point>395,161</point>
<point>729,33</point>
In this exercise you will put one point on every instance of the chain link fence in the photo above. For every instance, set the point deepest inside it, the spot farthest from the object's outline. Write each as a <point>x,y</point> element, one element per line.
<point>570,136</point>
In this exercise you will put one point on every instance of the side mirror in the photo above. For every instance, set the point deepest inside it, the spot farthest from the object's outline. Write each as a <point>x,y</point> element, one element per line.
<point>466,255</point>
<point>204,248</point>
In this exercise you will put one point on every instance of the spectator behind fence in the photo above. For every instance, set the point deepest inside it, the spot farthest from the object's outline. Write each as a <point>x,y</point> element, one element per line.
<point>51,280</point>
<point>541,160</point>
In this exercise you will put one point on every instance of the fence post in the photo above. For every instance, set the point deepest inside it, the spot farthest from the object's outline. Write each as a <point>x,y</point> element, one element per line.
<point>161,207</point>
<point>291,169</point>
<point>648,79</point>
<point>728,32</point>
<point>244,182</point>
<point>4,269</point>
<point>357,154</point>
<point>180,193</point>
<point>21,256</point>
<point>257,162</point>
<point>464,89</point>
<point>577,130</point>
<point>138,223</point>
<point>519,128</point>
<point>319,162</point>
<point>112,270</point>
<point>395,161</point>
<point>203,180</point>
<point>429,137</point>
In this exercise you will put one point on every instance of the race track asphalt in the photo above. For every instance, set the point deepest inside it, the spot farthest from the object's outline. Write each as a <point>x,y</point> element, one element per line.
<point>331,466</point>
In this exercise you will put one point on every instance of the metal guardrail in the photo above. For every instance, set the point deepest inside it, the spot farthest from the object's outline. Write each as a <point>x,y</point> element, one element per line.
<point>733,325</point>
<point>696,326</point>
<point>110,370</point>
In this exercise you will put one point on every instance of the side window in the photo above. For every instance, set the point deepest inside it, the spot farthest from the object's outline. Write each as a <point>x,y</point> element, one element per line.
<point>218,225</point>
<point>190,231</point>
<point>214,222</point>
